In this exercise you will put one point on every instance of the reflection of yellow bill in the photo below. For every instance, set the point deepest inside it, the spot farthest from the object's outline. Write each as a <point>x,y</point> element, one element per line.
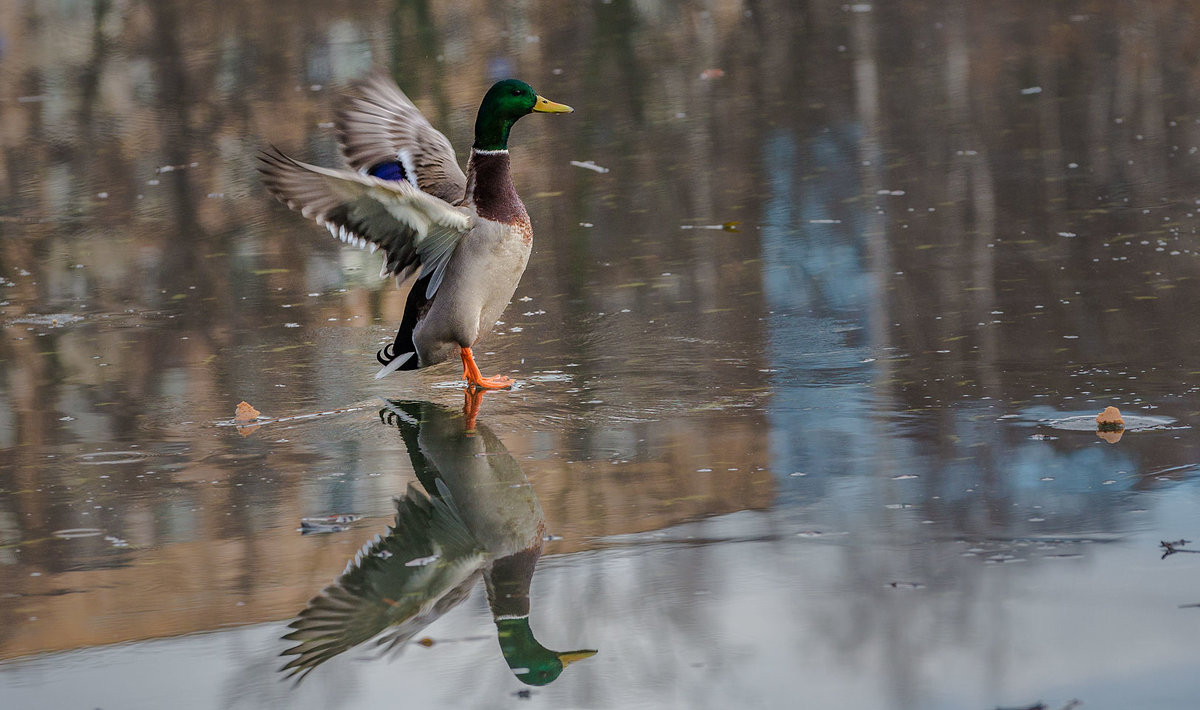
<point>571,656</point>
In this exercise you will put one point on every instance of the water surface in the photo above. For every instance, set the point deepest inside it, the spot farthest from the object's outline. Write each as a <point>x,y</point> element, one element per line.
<point>801,377</point>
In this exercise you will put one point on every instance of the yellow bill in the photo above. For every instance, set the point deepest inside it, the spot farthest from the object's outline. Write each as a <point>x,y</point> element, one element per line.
<point>545,105</point>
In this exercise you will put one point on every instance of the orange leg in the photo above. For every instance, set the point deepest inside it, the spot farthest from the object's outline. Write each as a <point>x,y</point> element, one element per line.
<point>472,399</point>
<point>476,379</point>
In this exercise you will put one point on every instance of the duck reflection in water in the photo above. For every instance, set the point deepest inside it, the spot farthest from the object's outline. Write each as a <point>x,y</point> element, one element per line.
<point>478,514</point>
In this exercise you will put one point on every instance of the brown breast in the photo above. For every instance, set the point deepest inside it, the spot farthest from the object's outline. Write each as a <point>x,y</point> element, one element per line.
<point>491,191</point>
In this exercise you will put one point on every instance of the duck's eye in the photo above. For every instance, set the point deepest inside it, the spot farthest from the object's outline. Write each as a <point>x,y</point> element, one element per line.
<point>516,92</point>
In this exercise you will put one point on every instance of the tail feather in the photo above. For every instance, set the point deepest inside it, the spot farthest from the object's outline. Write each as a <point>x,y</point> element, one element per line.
<point>396,363</point>
<point>401,353</point>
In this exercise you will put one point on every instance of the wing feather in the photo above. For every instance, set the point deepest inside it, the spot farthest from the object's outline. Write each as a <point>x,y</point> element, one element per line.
<point>413,228</point>
<point>377,123</point>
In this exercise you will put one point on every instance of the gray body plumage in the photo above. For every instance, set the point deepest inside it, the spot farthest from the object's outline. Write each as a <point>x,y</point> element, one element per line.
<point>479,281</point>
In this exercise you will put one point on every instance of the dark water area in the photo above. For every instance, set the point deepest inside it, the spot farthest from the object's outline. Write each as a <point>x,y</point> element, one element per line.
<point>823,301</point>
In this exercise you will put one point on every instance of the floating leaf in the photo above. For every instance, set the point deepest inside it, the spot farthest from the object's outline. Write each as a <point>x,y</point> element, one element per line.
<point>1110,415</point>
<point>245,413</point>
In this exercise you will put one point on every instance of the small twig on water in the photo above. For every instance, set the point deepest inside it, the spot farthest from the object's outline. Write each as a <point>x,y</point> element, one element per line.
<point>1071,705</point>
<point>1170,548</point>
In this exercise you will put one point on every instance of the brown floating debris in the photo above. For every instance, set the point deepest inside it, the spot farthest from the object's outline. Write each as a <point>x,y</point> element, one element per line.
<point>426,642</point>
<point>1110,416</point>
<point>245,413</point>
<point>337,522</point>
<point>1109,425</point>
<point>1170,548</point>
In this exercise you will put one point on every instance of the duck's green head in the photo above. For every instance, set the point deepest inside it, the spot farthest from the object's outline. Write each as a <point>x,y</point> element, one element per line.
<point>530,661</point>
<point>502,105</point>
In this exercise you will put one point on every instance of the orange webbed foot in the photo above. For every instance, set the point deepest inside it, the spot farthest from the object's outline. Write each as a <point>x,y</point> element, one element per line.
<point>475,378</point>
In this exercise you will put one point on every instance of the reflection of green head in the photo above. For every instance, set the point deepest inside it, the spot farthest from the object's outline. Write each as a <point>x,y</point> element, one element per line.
<point>530,661</point>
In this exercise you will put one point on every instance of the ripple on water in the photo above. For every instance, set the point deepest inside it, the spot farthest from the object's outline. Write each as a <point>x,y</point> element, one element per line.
<point>448,385</point>
<point>52,320</point>
<point>109,458</point>
<point>1087,422</point>
<point>550,377</point>
<point>235,456</point>
<point>72,533</point>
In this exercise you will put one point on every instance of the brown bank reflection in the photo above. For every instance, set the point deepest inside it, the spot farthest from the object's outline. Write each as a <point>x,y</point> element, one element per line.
<point>211,530</point>
<point>477,516</point>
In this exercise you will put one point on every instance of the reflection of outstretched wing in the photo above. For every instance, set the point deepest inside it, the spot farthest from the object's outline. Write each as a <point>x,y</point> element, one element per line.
<point>422,567</point>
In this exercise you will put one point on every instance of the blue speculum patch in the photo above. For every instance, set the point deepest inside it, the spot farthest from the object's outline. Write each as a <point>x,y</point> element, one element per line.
<point>388,171</point>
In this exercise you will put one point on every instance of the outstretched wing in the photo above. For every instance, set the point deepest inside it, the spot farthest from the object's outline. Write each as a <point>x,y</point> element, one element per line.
<point>379,129</point>
<point>400,582</point>
<point>413,228</point>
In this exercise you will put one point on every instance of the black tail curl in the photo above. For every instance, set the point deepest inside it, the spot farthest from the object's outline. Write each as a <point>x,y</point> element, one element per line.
<point>414,310</point>
<point>390,352</point>
<point>386,354</point>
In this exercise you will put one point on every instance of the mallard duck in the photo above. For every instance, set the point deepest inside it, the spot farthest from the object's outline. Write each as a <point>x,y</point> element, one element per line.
<point>465,238</point>
<point>480,516</point>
